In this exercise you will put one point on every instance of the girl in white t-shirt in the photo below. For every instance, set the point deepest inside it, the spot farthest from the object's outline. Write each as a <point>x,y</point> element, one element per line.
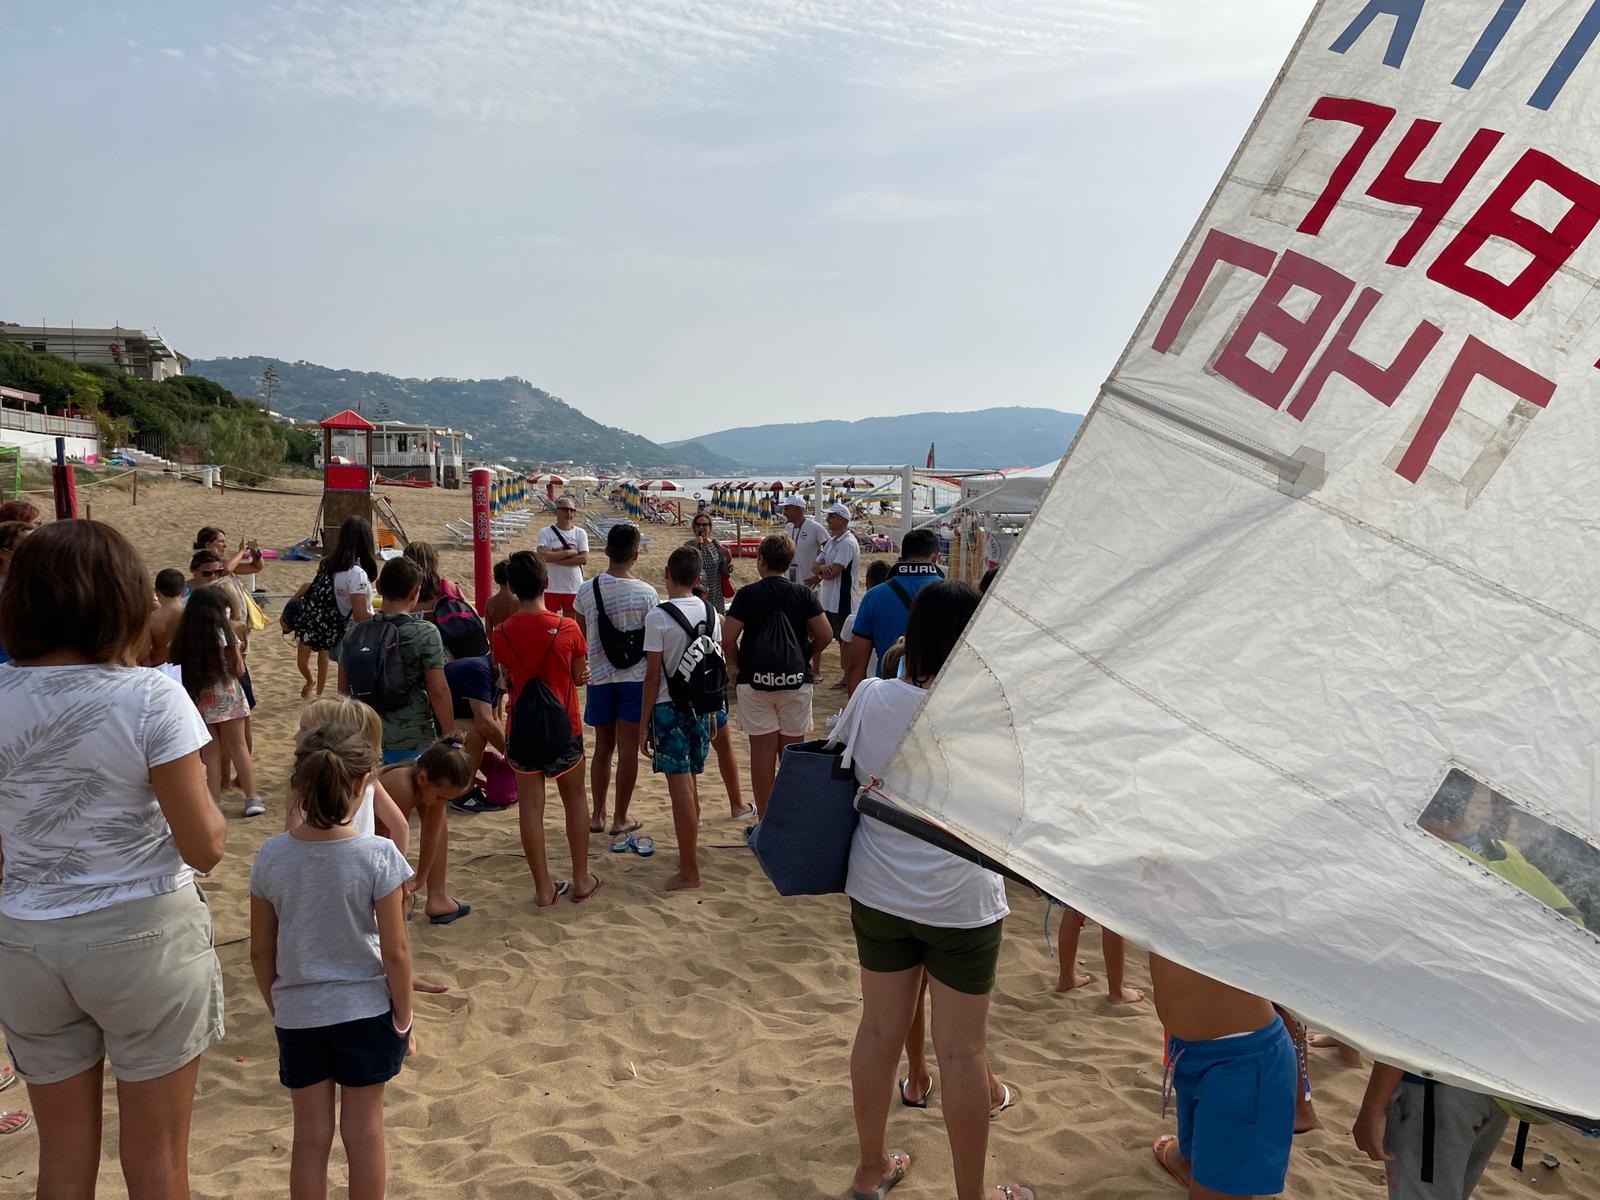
<point>920,915</point>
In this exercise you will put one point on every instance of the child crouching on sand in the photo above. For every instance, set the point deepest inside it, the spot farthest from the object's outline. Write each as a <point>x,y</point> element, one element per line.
<point>328,944</point>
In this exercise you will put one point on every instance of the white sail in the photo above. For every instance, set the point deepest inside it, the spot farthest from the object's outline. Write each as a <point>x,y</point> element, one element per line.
<point>1325,553</point>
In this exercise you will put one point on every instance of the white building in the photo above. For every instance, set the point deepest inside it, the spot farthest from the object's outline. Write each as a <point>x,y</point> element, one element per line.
<point>25,424</point>
<point>424,453</point>
<point>131,351</point>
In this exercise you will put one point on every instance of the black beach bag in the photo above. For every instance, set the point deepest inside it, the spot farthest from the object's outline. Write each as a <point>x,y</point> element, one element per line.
<point>803,843</point>
<point>318,623</point>
<point>623,649</point>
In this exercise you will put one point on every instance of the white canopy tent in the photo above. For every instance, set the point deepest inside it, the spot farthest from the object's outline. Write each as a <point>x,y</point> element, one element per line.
<point>1332,527</point>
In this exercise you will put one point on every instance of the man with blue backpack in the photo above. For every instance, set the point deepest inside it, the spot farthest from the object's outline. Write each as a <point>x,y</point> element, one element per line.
<point>884,610</point>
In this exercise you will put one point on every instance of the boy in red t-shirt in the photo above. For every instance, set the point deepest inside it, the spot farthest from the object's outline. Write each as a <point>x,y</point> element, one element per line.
<point>534,643</point>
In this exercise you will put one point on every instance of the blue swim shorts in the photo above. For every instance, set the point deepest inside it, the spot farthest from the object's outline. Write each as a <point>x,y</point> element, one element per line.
<point>608,703</point>
<point>1235,1100</point>
<point>683,739</point>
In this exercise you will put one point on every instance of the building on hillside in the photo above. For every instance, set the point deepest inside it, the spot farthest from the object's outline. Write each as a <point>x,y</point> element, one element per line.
<point>131,351</point>
<point>404,452</point>
<point>25,424</point>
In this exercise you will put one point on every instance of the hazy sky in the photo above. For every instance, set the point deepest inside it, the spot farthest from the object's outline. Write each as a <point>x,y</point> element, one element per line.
<point>678,215</point>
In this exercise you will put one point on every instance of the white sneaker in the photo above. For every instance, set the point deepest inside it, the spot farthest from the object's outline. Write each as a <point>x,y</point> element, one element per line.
<point>253,807</point>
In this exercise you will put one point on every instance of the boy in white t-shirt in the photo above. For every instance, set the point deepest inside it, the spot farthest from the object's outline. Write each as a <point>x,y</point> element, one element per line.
<point>565,549</point>
<point>614,706</point>
<point>678,740</point>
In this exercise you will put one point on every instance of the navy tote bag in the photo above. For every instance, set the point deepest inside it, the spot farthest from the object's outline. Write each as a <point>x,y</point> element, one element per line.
<point>803,843</point>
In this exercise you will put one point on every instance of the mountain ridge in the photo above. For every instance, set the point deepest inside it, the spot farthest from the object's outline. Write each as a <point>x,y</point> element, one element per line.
<point>510,419</point>
<point>990,438</point>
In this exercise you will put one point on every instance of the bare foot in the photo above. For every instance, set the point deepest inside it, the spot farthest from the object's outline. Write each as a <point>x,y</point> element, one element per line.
<point>305,692</point>
<point>1127,995</point>
<point>1080,979</point>
<point>419,984</point>
<point>683,882</point>
<point>1305,1116</point>
<point>1348,1055</point>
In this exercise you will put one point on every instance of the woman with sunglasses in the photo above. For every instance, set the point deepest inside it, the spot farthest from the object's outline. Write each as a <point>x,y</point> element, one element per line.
<point>715,562</point>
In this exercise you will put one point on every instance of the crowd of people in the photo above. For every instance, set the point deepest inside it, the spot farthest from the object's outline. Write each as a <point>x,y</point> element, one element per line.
<point>111,780</point>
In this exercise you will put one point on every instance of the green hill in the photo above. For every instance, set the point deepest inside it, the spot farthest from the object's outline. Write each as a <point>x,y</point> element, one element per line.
<point>987,439</point>
<point>510,420</point>
<point>169,418</point>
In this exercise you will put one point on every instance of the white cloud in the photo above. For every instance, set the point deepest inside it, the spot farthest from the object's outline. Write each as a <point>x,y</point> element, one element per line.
<point>524,60</point>
<point>172,52</point>
<point>889,206</point>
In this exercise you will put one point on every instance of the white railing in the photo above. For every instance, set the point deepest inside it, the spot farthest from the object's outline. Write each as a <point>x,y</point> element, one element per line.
<point>47,423</point>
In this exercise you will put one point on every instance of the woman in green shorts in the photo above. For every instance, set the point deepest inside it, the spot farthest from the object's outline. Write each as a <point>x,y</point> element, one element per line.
<point>919,913</point>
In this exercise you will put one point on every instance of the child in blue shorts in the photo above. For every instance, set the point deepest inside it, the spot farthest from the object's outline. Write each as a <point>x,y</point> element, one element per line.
<point>1234,1076</point>
<point>676,738</point>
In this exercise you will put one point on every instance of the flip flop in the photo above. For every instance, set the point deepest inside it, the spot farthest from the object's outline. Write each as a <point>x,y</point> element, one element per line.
<point>1015,1193</point>
<point>563,886</point>
<point>1162,1149</point>
<point>621,845</point>
<point>901,1162</point>
<point>644,847</point>
<point>7,1078</point>
<point>411,906</point>
<point>1007,1099</point>
<point>631,827</point>
<point>450,918</point>
<point>923,1103</point>
<point>14,1122</point>
<point>580,897</point>
<point>748,814</point>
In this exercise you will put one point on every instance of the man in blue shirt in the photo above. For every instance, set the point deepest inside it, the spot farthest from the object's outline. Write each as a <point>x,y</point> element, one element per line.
<point>881,618</point>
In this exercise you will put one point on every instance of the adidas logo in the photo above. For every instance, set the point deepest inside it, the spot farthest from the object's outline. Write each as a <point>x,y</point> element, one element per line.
<point>777,680</point>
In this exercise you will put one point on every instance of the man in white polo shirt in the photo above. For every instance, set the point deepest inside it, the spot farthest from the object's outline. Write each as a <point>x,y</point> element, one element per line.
<point>807,536</point>
<point>837,564</point>
<point>565,549</point>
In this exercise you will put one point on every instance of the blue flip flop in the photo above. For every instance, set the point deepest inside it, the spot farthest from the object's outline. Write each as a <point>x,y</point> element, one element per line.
<point>642,846</point>
<point>462,909</point>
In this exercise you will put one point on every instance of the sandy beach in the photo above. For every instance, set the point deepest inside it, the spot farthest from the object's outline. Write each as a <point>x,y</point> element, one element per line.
<point>653,1045</point>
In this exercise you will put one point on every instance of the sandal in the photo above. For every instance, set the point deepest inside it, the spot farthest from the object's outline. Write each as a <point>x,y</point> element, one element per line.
<point>900,1161</point>
<point>7,1077</point>
<point>923,1103</point>
<point>14,1122</point>
<point>1162,1149</point>
<point>563,886</point>
<point>1007,1099</point>
<point>1007,1192</point>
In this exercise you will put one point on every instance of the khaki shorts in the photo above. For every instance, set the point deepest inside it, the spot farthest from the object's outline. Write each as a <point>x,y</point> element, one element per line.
<point>137,982</point>
<point>788,713</point>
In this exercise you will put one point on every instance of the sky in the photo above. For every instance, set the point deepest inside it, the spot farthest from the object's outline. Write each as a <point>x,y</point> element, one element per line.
<point>678,215</point>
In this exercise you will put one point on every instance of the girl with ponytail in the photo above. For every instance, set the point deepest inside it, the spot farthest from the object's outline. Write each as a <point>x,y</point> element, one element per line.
<point>328,945</point>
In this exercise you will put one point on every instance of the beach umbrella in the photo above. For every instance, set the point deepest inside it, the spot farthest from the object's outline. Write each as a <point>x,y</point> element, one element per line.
<point>659,485</point>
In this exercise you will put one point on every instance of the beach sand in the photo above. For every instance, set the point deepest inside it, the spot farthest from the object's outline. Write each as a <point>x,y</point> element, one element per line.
<point>648,1045</point>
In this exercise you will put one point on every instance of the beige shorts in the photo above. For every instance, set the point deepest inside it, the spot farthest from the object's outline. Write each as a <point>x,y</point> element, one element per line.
<point>137,982</point>
<point>788,713</point>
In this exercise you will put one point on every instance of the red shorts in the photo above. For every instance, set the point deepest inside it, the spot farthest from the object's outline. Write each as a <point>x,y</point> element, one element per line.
<point>562,602</point>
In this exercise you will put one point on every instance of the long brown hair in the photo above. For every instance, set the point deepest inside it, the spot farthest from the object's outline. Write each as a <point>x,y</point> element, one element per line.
<point>427,559</point>
<point>327,766</point>
<point>204,640</point>
<point>446,764</point>
<point>939,615</point>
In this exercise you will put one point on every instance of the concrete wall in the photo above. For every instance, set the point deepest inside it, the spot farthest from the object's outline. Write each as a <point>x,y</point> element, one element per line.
<point>43,445</point>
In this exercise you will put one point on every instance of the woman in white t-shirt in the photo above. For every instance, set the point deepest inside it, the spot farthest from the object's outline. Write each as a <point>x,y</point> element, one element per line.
<point>919,914</point>
<point>105,941</point>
